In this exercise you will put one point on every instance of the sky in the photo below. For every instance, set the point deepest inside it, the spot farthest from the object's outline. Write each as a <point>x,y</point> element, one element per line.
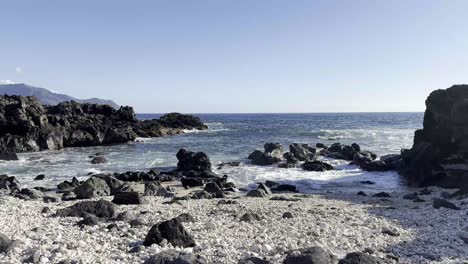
<point>242,56</point>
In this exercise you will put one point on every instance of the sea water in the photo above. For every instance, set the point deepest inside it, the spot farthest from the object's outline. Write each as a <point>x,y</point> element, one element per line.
<point>232,137</point>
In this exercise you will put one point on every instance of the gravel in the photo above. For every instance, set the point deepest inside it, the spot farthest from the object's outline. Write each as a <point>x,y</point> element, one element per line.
<point>338,223</point>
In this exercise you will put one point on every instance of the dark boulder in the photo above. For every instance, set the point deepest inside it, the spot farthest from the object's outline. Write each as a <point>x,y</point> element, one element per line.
<point>321,145</point>
<point>254,260</point>
<point>175,257</point>
<point>214,189</point>
<point>250,217</point>
<point>313,255</point>
<point>360,258</point>
<point>39,177</point>
<point>93,187</point>
<point>356,147</point>
<point>274,150</point>
<point>186,218</point>
<point>8,185</point>
<point>8,155</point>
<point>191,182</point>
<point>98,160</point>
<point>376,165</point>
<point>127,198</point>
<point>257,193</point>
<point>392,161</point>
<point>439,155</point>
<point>382,195</point>
<point>441,203</point>
<point>89,220</point>
<point>316,165</point>
<point>284,188</point>
<point>171,230</point>
<point>302,152</point>
<point>189,161</point>
<point>101,208</point>
<point>155,189</point>
<point>5,243</point>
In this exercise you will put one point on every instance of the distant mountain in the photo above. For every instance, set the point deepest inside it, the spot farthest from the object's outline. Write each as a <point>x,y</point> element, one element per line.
<point>47,97</point>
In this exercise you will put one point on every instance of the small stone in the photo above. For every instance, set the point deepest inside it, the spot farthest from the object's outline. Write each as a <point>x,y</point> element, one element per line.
<point>387,231</point>
<point>441,203</point>
<point>250,217</point>
<point>39,177</point>
<point>361,193</point>
<point>287,215</point>
<point>382,195</point>
<point>186,218</point>
<point>46,210</point>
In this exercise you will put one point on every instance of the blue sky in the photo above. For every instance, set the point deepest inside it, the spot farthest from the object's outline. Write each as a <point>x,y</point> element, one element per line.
<point>238,56</point>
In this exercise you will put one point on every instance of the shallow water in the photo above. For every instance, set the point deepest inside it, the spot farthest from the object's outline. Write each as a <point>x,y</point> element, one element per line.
<point>233,137</point>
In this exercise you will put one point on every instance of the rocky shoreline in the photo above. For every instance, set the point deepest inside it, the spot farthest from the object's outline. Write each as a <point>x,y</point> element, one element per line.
<point>190,214</point>
<point>26,125</point>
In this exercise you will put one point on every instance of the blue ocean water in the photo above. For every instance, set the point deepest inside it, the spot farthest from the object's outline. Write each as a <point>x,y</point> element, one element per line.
<point>232,137</point>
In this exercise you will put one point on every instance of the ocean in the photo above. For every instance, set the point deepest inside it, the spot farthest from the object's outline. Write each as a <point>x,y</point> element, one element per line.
<point>232,137</point>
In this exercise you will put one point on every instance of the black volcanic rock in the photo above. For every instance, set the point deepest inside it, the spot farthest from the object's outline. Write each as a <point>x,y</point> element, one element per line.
<point>193,161</point>
<point>173,231</point>
<point>26,125</point>
<point>439,155</point>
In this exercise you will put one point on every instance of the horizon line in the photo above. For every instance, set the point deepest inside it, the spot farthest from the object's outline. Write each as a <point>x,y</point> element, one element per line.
<point>256,113</point>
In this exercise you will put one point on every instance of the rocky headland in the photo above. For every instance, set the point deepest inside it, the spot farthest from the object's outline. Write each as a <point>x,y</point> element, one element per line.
<point>26,125</point>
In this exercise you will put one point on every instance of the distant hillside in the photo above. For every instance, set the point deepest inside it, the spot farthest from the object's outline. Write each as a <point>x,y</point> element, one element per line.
<point>47,97</point>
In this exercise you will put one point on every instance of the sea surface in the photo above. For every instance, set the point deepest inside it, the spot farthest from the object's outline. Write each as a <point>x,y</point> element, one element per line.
<point>231,137</point>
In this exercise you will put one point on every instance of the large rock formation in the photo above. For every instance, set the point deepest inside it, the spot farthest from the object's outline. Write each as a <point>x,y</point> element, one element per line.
<point>26,125</point>
<point>439,155</point>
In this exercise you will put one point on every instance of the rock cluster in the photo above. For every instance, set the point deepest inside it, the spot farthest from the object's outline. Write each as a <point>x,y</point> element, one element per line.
<point>439,155</point>
<point>26,125</point>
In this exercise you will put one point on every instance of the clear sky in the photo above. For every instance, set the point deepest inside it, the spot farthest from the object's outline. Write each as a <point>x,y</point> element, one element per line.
<point>238,56</point>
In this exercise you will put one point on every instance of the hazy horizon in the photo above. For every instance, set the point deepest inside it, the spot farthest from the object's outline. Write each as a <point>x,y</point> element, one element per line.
<point>238,57</point>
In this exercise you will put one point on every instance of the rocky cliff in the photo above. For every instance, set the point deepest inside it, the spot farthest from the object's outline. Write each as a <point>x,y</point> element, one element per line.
<point>26,125</point>
<point>439,155</point>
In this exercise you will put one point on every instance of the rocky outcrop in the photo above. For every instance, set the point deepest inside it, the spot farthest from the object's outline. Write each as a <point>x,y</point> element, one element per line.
<point>273,153</point>
<point>26,125</point>
<point>439,155</point>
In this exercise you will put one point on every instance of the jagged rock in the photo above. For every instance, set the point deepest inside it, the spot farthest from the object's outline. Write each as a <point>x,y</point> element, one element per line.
<point>439,155</point>
<point>441,203</point>
<point>191,161</point>
<point>39,177</point>
<point>302,152</point>
<point>93,187</point>
<point>69,185</point>
<point>316,165</point>
<point>356,147</point>
<point>126,198</point>
<point>287,215</point>
<point>274,150</point>
<point>321,145</point>
<point>360,258</point>
<point>101,208</point>
<point>361,193</point>
<point>214,190</point>
<point>154,189</point>
<point>376,165</point>
<point>202,195</point>
<point>382,195</point>
<point>175,257</point>
<point>313,255</point>
<point>171,230</point>
<point>8,185</point>
<point>26,125</point>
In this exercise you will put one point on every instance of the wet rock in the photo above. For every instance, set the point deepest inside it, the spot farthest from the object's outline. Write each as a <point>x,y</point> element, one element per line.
<point>274,150</point>
<point>367,182</point>
<point>66,185</point>
<point>302,152</point>
<point>191,182</point>
<point>127,198</point>
<point>313,255</point>
<point>8,185</point>
<point>101,208</point>
<point>441,203</point>
<point>284,188</point>
<point>175,257</point>
<point>361,193</point>
<point>30,194</point>
<point>382,195</point>
<point>360,258</point>
<point>316,165</point>
<point>171,230</point>
<point>39,177</point>
<point>376,165</point>
<point>264,187</point>
<point>98,160</point>
<point>8,155</point>
<point>93,187</point>
<point>411,196</point>
<point>356,147</point>
<point>321,145</point>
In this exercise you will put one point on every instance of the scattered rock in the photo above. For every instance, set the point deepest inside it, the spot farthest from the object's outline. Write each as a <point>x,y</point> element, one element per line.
<point>175,257</point>
<point>441,203</point>
<point>390,232</point>
<point>191,161</point>
<point>171,230</point>
<point>313,255</point>
<point>126,198</point>
<point>93,187</point>
<point>316,165</point>
<point>361,193</point>
<point>8,155</point>
<point>382,195</point>
<point>46,210</point>
<point>360,258</point>
<point>254,260</point>
<point>287,215</point>
<point>101,208</point>
<point>185,218</point>
<point>257,193</point>
<point>250,217</point>
<point>5,243</point>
